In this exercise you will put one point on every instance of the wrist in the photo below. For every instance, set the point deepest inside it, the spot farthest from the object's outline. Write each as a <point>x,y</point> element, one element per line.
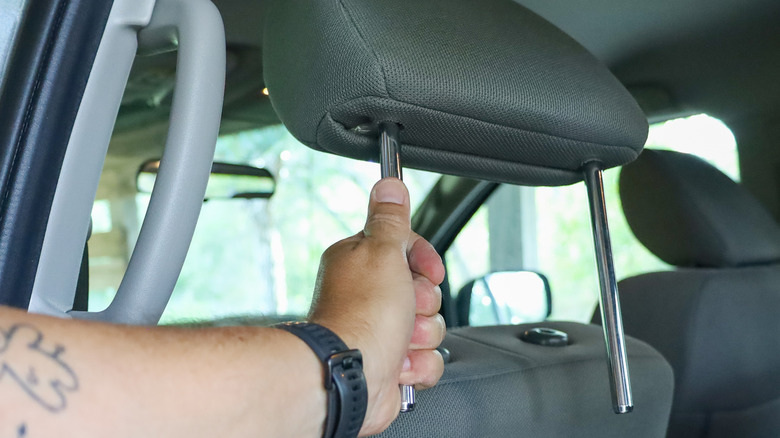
<point>381,369</point>
<point>308,389</point>
<point>344,381</point>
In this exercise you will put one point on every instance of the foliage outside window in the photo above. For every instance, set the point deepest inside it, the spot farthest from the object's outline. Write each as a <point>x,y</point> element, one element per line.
<point>258,257</point>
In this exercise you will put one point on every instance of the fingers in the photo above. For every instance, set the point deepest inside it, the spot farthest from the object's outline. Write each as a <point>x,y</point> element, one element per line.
<point>423,370</point>
<point>427,294</point>
<point>428,332</point>
<point>388,213</point>
<point>424,365</point>
<point>424,260</point>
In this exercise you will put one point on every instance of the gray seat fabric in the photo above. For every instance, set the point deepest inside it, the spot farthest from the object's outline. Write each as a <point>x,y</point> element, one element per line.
<point>499,386</point>
<point>490,90</point>
<point>484,89</point>
<point>715,318</point>
<point>690,214</point>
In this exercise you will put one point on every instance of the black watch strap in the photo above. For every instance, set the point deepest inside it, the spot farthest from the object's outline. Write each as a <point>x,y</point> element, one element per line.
<point>345,382</point>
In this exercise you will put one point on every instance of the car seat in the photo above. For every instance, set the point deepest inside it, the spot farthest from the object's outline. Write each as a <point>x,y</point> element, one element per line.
<point>487,90</point>
<point>497,385</point>
<point>715,316</point>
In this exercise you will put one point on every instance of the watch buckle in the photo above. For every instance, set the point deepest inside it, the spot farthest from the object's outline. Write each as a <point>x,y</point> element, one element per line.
<point>345,360</point>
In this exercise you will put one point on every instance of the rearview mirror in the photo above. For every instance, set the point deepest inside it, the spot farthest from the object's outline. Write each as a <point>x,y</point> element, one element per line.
<point>227,181</point>
<point>509,297</point>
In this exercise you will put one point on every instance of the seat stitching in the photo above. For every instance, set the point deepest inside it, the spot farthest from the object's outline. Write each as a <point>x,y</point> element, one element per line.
<point>492,124</point>
<point>514,353</point>
<point>370,48</point>
<point>484,375</point>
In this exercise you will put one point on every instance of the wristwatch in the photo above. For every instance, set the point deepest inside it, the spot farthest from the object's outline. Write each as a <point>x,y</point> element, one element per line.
<point>345,382</point>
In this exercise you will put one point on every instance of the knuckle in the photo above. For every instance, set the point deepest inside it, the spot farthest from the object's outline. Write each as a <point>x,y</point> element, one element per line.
<point>383,220</point>
<point>441,328</point>
<point>386,253</point>
<point>432,370</point>
<point>429,298</point>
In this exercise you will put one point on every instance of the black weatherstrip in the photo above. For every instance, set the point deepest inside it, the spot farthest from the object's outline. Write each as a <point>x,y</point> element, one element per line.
<point>46,77</point>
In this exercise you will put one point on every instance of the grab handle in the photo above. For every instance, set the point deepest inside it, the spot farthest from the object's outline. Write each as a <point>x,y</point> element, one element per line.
<point>195,29</point>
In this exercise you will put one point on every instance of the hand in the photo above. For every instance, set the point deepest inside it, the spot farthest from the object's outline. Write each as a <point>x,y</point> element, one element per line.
<point>378,290</point>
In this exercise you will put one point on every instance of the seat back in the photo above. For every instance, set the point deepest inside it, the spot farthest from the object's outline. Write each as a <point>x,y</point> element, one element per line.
<point>499,386</point>
<point>715,318</point>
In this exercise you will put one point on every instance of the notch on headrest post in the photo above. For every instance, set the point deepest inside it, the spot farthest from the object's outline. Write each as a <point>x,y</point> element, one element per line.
<point>609,302</point>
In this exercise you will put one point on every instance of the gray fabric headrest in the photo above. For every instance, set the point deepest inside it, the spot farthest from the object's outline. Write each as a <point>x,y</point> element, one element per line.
<point>485,89</point>
<point>689,213</point>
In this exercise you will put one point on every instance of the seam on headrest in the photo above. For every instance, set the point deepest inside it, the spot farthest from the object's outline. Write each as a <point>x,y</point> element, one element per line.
<point>690,199</point>
<point>331,109</point>
<point>574,176</point>
<point>370,48</point>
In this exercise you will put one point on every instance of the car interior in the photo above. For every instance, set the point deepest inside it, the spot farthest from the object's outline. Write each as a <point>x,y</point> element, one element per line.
<point>186,162</point>
<point>708,316</point>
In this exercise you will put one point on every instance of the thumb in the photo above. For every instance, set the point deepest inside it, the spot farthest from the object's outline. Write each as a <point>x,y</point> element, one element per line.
<point>388,212</point>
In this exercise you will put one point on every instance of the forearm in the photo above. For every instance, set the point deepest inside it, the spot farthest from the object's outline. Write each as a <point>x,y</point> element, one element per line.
<point>376,290</point>
<point>98,379</point>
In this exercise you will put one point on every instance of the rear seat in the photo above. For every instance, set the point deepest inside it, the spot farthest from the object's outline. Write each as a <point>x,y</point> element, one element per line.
<point>715,317</point>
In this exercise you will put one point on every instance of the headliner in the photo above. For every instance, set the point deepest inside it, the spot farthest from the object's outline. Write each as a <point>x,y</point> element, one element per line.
<point>676,56</point>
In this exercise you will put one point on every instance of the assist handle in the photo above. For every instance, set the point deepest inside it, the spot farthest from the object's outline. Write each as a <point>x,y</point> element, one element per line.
<point>195,29</point>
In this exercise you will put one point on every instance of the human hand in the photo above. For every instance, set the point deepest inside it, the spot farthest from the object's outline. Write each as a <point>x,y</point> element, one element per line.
<point>378,290</point>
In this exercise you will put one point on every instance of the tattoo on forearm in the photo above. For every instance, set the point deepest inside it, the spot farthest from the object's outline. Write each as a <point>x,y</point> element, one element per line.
<point>39,370</point>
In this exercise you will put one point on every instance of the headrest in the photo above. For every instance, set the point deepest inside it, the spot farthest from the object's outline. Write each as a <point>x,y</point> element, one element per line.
<point>484,89</point>
<point>689,213</point>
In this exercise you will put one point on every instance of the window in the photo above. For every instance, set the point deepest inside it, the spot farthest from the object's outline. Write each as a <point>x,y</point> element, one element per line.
<point>249,257</point>
<point>547,229</point>
<point>11,12</point>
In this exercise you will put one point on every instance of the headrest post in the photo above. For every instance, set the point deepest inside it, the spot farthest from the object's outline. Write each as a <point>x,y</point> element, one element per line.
<point>609,302</point>
<point>390,162</point>
<point>390,150</point>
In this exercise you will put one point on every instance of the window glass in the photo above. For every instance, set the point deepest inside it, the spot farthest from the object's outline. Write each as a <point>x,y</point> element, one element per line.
<point>701,135</point>
<point>254,257</point>
<point>469,256</point>
<point>554,235</point>
<point>11,12</point>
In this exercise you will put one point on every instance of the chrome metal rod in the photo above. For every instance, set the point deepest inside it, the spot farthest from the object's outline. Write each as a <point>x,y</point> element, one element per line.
<point>609,302</point>
<point>390,150</point>
<point>390,162</point>
<point>407,398</point>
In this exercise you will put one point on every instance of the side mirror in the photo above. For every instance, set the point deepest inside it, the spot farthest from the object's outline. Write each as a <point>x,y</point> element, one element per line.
<point>508,297</point>
<point>227,181</point>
